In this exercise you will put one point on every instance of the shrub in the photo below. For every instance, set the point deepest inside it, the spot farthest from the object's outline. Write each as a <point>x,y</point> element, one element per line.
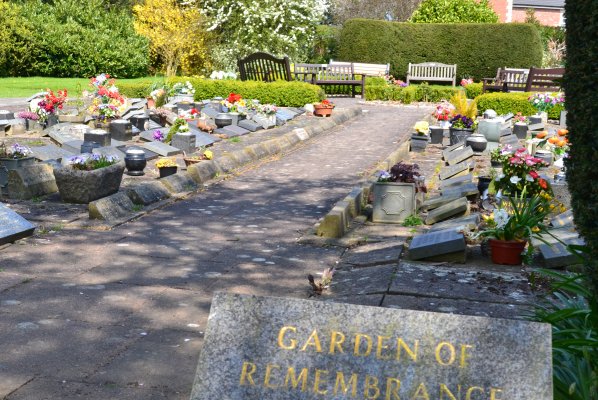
<point>325,44</point>
<point>477,49</point>
<point>504,103</point>
<point>580,81</point>
<point>461,11</point>
<point>70,38</point>
<point>409,94</point>
<point>473,90</point>
<point>281,93</point>
<point>140,89</point>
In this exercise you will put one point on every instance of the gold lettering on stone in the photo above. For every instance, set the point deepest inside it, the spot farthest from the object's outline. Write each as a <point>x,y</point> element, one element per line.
<point>381,347</point>
<point>464,355</point>
<point>246,373</point>
<point>358,339</point>
<point>313,340</point>
<point>445,390</point>
<point>294,380</point>
<point>268,375</point>
<point>451,353</point>
<point>281,334</point>
<point>494,393</point>
<point>317,381</point>
<point>411,353</point>
<point>392,391</point>
<point>421,393</point>
<point>336,340</point>
<point>471,390</point>
<point>371,384</point>
<point>340,383</point>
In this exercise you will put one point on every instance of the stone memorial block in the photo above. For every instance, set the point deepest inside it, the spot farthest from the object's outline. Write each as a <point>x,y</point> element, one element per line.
<point>509,139</point>
<point>448,172</point>
<point>563,219</point>
<point>446,152</point>
<point>13,226</point>
<point>73,146</point>
<point>277,348</point>
<point>436,243</point>
<point>148,192</point>
<point>250,125</point>
<point>50,152</point>
<point>184,141</point>
<point>181,182</point>
<point>556,255</point>
<point>265,122</point>
<point>298,111</point>
<point>232,131</point>
<point>110,151</point>
<point>111,208</point>
<point>462,224</point>
<point>437,201</point>
<point>202,138</point>
<point>130,113</point>
<point>65,132</point>
<point>461,190</point>
<point>455,181</point>
<point>458,156</point>
<point>161,148</point>
<point>284,115</point>
<point>505,131</point>
<point>34,180</point>
<point>140,121</point>
<point>5,114</point>
<point>121,129</point>
<point>455,207</point>
<point>154,125</point>
<point>149,135</point>
<point>209,112</point>
<point>535,127</point>
<point>560,191</point>
<point>99,136</point>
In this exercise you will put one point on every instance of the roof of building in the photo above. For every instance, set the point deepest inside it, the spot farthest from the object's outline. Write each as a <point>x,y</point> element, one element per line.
<point>539,3</point>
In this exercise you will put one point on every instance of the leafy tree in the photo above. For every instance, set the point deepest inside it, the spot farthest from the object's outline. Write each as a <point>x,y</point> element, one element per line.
<point>177,35</point>
<point>459,11</point>
<point>247,26</point>
<point>395,10</point>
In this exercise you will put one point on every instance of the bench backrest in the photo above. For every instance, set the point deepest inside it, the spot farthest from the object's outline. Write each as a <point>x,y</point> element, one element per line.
<point>544,79</point>
<point>338,72</point>
<point>515,75</point>
<point>264,67</point>
<point>366,68</point>
<point>304,72</point>
<point>432,70</point>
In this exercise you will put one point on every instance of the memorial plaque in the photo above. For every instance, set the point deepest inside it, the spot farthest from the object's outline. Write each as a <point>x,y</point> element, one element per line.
<point>509,139</point>
<point>455,207</point>
<point>73,146</point>
<point>446,152</point>
<point>202,138</point>
<point>458,156</point>
<point>13,226</point>
<point>563,219</point>
<point>265,122</point>
<point>448,172</point>
<point>162,149</point>
<point>65,132</point>
<point>232,131</point>
<point>209,112</point>
<point>50,152</point>
<point>455,181</point>
<point>462,190</point>
<point>536,127</point>
<point>298,111</point>
<point>556,255</point>
<point>436,243</point>
<point>284,115</point>
<point>250,125</point>
<point>276,348</point>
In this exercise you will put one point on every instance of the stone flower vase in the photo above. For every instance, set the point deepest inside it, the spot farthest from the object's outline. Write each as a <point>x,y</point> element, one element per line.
<point>459,135</point>
<point>436,134</point>
<point>520,130</point>
<point>393,201</point>
<point>419,142</point>
<point>167,171</point>
<point>76,186</point>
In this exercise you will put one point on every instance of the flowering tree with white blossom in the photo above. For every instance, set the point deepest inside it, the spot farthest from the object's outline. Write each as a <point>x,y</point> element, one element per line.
<point>275,27</point>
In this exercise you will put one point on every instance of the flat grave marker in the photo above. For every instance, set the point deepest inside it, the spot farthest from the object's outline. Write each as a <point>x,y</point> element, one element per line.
<point>50,152</point>
<point>277,348</point>
<point>436,243</point>
<point>13,226</point>
<point>160,148</point>
<point>449,172</point>
<point>458,156</point>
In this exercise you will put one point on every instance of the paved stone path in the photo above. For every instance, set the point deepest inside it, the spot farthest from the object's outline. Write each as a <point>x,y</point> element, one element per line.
<point>120,314</point>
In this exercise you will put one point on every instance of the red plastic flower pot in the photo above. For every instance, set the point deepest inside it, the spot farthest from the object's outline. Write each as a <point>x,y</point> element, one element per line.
<point>507,252</point>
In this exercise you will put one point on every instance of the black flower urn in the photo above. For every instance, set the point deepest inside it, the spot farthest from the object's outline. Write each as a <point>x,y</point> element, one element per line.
<point>135,162</point>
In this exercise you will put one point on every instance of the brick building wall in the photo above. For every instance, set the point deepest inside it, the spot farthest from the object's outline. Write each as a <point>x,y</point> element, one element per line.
<point>502,8</point>
<point>546,16</point>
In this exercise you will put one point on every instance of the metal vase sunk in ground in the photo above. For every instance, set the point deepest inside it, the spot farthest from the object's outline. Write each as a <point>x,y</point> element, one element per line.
<point>459,135</point>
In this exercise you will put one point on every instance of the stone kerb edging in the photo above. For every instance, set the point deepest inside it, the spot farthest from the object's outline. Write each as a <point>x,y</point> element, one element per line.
<point>120,207</point>
<point>337,222</point>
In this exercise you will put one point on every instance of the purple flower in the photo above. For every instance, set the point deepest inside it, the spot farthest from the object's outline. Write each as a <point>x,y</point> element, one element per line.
<point>158,135</point>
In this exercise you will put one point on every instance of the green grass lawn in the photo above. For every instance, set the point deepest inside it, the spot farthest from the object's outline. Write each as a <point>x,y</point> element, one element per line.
<point>25,87</point>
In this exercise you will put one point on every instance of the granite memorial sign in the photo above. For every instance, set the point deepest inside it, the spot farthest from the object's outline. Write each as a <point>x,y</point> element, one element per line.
<point>275,348</point>
<point>13,226</point>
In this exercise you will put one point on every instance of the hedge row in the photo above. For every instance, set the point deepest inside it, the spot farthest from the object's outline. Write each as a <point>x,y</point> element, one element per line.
<point>477,49</point>
<point>281,93</point>
<point>411,93</point>
<point>504,103</point>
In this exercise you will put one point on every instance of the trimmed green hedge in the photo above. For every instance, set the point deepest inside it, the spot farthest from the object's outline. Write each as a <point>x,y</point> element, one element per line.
<point>504,103</point>
<point>281,93</point>
<point>477,49</point>
<point>409,94</point>
<point>138,89</point>
<point>473,90</point>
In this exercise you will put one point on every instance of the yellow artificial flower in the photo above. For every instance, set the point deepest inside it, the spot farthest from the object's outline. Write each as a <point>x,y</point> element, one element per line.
<point>208,154</point>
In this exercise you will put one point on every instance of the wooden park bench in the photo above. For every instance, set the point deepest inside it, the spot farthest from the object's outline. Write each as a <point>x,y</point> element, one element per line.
<point>339,75</point>
<point>366,68</point>
<point>264,67</point>
<point>506,80</point>
<point>432,71</point>
<point>544,79</point>
<point>306,72</point>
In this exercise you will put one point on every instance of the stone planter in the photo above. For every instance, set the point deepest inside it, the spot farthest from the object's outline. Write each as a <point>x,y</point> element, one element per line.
<point>322,111</point>
<point>167,171</point>
<point>419,142</point>
<point>436,134</point>
<point>76,186</point>
<point>393,201</point>
<point>535,119</point>
<point>234,116</point>
<point>9,164</point>
<point>477,142</point>
<point>459,135</point>
<point>520,130</point>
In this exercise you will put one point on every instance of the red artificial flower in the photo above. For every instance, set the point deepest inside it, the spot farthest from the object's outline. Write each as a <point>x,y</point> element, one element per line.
<point>534,174</point>
<point>542,184</point>
<point>233,98</point>
<point>194,111</point>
